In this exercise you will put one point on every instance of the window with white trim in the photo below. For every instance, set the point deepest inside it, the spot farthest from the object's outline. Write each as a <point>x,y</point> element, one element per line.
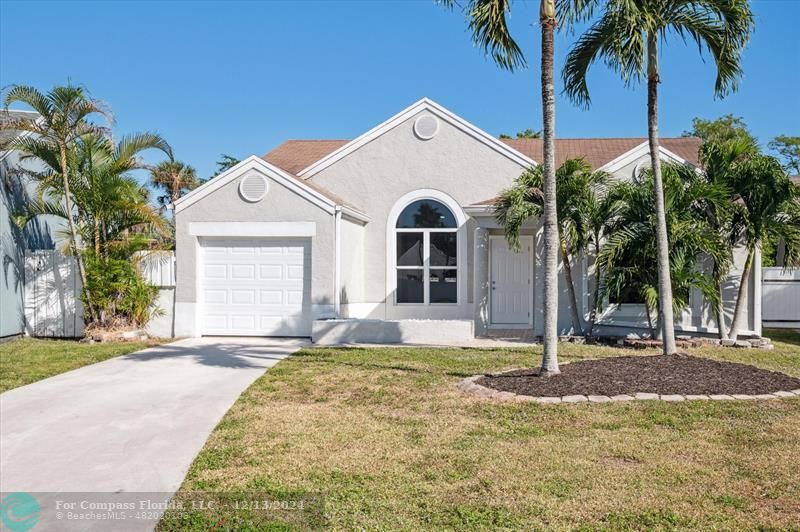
<point>426,254</point>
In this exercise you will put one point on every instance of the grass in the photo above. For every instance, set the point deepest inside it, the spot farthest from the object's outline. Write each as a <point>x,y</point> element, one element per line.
<point>28,360</point>
<point>382,439</point>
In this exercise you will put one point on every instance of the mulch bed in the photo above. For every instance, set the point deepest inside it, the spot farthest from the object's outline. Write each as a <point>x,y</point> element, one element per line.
<point>661,374</point>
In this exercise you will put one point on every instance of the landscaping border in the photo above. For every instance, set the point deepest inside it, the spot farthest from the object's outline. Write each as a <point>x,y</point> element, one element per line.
<point>471,387</point>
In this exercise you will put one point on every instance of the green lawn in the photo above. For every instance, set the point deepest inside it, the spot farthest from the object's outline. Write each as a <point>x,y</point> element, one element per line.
<point>383,439</point>
<point>29,360</point>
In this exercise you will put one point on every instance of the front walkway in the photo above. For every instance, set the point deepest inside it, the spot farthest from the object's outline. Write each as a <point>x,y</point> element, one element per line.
<point>130,424</point>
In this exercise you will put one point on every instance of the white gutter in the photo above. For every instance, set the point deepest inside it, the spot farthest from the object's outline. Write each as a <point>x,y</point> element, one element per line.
<point>337,260</point>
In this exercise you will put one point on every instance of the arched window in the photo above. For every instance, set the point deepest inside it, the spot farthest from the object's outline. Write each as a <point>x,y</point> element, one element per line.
<point>426,254</point>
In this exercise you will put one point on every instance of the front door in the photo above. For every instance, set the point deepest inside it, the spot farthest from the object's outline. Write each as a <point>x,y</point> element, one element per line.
<point>510,282</point>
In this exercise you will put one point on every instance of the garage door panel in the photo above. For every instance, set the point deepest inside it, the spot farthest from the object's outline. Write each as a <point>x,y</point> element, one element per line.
<point>246,272</point>
<point>270,272</point>
<point>213,297</point>
<point>271,297</point>
<point>243,297</point>
<point>243,251</point>
<point>215,271</point>
<point>256,288</point>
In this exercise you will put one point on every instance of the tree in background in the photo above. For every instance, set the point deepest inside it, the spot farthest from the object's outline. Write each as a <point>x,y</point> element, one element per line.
<point>172,179</point>
<point>626,37</point>
<point>579,192</point>
<point>788,149</point>
<point>525,134</point>
<point>723,129</point>
<point>64,115</point>
<point>225,163</point>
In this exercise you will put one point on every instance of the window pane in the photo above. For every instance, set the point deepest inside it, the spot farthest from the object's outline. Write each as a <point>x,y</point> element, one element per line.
<point>410,286</point>
<point>428,214</point>
<point>409,249</point>
<point>443,249</point>
<point>444,288</point>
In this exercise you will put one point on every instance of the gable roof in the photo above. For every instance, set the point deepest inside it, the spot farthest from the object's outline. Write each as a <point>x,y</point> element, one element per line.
<point>310,191</point>
<point>431,107</point>
<point>295,155</point>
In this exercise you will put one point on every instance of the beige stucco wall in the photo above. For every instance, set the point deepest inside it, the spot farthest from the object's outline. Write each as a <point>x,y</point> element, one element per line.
<point>352,262</point>
<point>375,176</point>
<point>280,205</point>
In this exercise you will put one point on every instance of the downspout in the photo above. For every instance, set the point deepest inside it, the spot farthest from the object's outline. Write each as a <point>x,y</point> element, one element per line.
<point>337,261</point>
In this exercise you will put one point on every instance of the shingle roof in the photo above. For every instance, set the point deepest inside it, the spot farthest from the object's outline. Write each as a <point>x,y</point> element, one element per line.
<point>295,155</point>
<point>10,116</point>
<point>599,151</point>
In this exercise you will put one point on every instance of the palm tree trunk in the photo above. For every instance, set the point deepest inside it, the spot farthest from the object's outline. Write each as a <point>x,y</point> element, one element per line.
<point>650,322</point>
<point>743,296</point>
<point>97,238</point>
<point>719,308</point>
<point>547,18</point>
<point>72,231</point>
<point>576,317</point>
<point>595,289</point>
<point>664,281</point>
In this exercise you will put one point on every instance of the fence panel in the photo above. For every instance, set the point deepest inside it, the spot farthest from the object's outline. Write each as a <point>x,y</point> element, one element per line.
<point>157,267</point>
<point>52,295</point>
<point>780,297</point>
<point>52,290</point>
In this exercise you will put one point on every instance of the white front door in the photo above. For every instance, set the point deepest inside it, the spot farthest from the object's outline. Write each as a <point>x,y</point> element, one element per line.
<point>511,282</point>
<point>255,287</point>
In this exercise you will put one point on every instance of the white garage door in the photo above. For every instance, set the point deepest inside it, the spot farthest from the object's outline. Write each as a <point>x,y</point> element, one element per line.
<point>255,287</point>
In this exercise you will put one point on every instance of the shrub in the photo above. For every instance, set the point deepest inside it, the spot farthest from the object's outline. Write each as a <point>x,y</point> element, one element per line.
<point>119,296</point>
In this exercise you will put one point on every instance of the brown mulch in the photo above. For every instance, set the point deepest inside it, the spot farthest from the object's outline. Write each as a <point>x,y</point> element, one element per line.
<point>662,374</point>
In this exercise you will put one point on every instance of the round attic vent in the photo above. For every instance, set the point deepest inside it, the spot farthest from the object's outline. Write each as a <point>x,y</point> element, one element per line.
<point>426,127</point>
<point>644,165</point>
<point>253,187</point>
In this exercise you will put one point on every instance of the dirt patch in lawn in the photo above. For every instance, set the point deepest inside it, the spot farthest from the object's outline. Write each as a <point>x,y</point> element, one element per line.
<point>660,374</point>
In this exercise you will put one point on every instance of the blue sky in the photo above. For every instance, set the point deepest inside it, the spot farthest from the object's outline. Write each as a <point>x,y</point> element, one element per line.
<point>240,77</point>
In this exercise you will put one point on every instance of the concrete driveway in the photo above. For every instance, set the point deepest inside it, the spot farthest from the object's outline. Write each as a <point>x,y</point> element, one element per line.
<point>129,424</point>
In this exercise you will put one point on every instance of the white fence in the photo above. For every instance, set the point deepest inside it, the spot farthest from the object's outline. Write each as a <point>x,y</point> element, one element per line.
<point>157,267</point>
<point>52,292</point>
<point>52,295</point>
<point>780,298</point>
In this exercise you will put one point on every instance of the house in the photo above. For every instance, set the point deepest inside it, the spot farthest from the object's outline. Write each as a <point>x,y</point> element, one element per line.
<point>389,237</point>
<point>40,233</point>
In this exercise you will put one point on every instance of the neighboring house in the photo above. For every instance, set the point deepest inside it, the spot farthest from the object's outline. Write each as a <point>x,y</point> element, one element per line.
<point>15,189</point>
<point>395,225</point>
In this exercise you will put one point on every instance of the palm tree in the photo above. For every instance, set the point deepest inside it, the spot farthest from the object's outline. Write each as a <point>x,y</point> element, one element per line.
<point>626,38</point>
<point>174,179</point>
<point>578,192</point>
<point>718,160</point>
<point>602,209</point>
<point>767,206</point>
<point>63,117</point>
<point>487,20</point>
<point>108,203</point>
<point>631,245</point>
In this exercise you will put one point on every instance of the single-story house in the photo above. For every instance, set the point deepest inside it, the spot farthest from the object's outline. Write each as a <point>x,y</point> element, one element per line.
<point>390,237</point>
